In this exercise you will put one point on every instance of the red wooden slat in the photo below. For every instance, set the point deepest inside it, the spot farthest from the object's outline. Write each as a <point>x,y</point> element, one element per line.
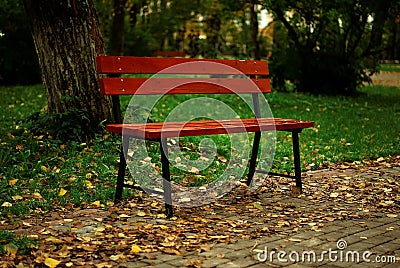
<point>206,127</point>
<point>148,86</point>
<point>151,65</point>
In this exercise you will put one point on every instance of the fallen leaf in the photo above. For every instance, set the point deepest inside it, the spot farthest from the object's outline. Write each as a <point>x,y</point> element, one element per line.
<point>391,215</point>
<point>10,249</point>
<point>194,263</point>
<point>96,203</point>
<point>6,204</point>
<point>117,257</point>
<point>64,251</point>
<point>62,192</point>
<point>141,214</point>
<point>50,262</point>
<point>135,249</point>
<point>194,170</point>
<point>12,182</point>
<point>334,194</point>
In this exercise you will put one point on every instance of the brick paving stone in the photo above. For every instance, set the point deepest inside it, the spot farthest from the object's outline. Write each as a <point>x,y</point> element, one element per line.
<point>332,228</point>
<point>213,262</point>
<point>354,230</point>
<point>215,251</point>
<point>239,263</point>
<point>332,235</point>
<point>385,219</point>
<point>301,265</point>
<point>392,265</point>
<point>134,264</point>
<point>352,239</point>
<point>379,239</point>
<point>371,232</point>
<point>306,235</point>
<point>360,246</point>
<point>393,245</point>
<point>372,224</point>
<point>238,254</point>
<point>312,242</point>
<point>163,265</point>
<point>345,224</point>
<point>244,243</point>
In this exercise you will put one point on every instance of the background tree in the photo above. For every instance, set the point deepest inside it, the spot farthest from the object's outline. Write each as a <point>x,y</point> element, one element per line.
<point>332,46</point>
<point>18,59</point>
<point>67,40</point>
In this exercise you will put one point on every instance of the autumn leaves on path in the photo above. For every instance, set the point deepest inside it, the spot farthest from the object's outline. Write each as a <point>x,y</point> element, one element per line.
<point>138,230</point>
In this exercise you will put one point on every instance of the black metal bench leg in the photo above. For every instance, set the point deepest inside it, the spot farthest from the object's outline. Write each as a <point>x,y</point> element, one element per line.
<point>296,154</point>
<point>167,178</point>
<point>121,169</point>
<point>253,159</point>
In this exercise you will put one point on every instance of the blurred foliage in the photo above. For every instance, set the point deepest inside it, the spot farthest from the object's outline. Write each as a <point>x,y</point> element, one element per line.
<point>18,60</point>
<point>328,47</point>
<point>313,46</point>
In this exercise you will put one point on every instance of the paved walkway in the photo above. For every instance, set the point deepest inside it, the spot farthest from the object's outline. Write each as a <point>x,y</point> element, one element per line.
<point>369,239</point>
<point>369,243</point>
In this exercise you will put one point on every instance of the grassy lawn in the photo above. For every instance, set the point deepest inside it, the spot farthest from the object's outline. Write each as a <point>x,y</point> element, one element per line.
<point>390,67</point>
<point>38,173</point>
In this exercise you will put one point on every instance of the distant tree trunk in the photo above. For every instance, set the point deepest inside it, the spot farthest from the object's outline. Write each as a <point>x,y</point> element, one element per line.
<point>254,29</point>
<point>118,28</point>
<point>67,41</point>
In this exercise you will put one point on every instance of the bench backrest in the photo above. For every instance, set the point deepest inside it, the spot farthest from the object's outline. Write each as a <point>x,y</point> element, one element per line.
<point>182,75</point>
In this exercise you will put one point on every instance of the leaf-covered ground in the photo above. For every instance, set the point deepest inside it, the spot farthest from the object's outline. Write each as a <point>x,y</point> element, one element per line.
<point>137,229</point>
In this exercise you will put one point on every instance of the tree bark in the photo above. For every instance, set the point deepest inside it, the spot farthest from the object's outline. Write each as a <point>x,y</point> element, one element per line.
<point>67,41</point>
<point>118,28</point>
<point>254,29</point>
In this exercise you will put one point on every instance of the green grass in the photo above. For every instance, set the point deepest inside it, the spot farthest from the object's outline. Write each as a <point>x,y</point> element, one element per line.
<point>12,244</point>
<point>390,67</point>
<point>38,173</point>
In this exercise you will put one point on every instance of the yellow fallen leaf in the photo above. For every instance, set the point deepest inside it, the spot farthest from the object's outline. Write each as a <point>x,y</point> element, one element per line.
<point>117,257</point>
<point>334,195</point>
<point>194,170</point>
<point>391,215</point>
<point>135,249</point>
<point>44,168</point>
<point>6,204</point>
<point>50,262</point>
<point>96,203</point>
<point>141,214</point>
<point>88,184</point>
<point>62,192</point>
<point>12,182</point>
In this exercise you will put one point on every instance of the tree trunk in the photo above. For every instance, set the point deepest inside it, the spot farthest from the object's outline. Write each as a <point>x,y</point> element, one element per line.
<point>254,30</point>
<point>67,41</point>
<point>118,28</point>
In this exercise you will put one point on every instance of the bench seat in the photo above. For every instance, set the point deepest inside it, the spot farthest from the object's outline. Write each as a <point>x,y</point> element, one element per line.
<point>206,127</point>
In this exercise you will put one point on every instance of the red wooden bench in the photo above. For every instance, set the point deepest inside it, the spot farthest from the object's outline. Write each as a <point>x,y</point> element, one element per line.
<point>257,71</point>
